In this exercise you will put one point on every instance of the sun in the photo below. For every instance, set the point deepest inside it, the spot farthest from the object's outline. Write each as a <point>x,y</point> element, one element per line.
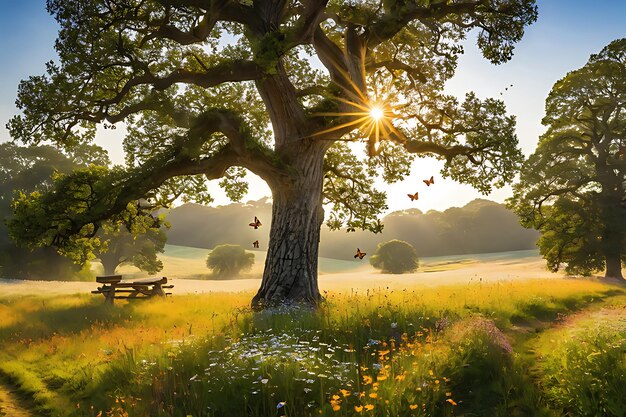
<point>372,117</point>
<point>377,113</point>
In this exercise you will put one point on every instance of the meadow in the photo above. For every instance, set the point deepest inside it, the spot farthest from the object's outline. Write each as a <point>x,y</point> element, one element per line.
<point>552,347</point>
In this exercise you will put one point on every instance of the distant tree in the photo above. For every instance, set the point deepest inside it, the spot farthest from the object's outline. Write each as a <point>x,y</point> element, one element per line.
<point>229,260</point>
<point>572,189</point>
<point>395,257</point>
<point>31,169</point>
<point>199,108</point>
<point>123,247</point>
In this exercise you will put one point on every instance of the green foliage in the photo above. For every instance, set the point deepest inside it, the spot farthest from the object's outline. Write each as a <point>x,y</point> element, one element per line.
<point>138,248</point>
<point>229,260</point>
<point>572,188</point>
<point>198,108</point>
<point>395,257</point>
<point>32,169</point>
<point>27,172</point>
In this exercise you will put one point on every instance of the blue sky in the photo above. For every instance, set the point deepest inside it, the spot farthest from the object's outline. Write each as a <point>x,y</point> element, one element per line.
<point>567,32</point>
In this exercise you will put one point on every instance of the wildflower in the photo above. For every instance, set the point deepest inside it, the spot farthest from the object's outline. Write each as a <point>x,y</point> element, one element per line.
<point>448,394</point>
<point>265,381</point>
<point>369,407</point>
<point>344,392</point>
<point>400,377</point>
<point>437,381</point>
<point>394,325</point>
<point>281,404</point>
<point>358,408</point>
<point>367,380</point>
<point>413,406</point>
<point>451,401</point>
<point>373,395</point>
<point>335,397</point>
<point>430,372</point>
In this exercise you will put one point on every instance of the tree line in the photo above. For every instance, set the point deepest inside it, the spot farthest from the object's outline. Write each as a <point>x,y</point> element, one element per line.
<point>481,226</point>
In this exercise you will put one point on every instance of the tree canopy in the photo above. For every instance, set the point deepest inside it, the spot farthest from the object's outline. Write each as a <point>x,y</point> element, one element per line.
<point>30,171</point>
<point>209,90</point>
<point>572,188</point>
<point>227,261</point>
<point>395,257</point>
<point>124,247</point>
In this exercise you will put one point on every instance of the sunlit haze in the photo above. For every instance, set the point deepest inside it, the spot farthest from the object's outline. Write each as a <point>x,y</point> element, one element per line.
<point>562,39</point>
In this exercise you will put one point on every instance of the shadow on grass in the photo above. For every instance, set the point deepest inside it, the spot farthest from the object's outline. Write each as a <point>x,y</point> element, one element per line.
<point>547,310</point>
<point>42,318</point>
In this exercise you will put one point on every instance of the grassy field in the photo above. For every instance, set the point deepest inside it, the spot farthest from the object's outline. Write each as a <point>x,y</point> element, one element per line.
<point>190,263</point>
<point>499,349</point>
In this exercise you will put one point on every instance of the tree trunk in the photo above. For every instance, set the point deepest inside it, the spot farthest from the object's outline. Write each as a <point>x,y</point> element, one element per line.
<point>613,240</point>
<point>109,263</point>
<point>613,266</point>
<point>291,266</point>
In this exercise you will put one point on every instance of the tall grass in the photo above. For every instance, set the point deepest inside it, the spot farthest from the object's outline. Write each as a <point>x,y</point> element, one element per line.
<point>418,352</point>
<point>583,367</point>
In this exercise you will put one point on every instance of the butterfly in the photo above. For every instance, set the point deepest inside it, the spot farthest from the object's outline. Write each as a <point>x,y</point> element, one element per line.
<point>359,254</point>
<point>413,197</point>
<point>255,244</point>
<point>256,223</point>
<point>430,181</point>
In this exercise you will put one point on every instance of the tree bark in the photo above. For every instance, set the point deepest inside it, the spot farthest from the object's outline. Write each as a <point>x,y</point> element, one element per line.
<point>613,266</point>
<point>612,213</point>
<point>297,214</point>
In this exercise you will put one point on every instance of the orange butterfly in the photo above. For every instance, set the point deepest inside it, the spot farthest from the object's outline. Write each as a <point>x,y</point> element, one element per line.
<point>413,197</point>
<point>430,181</point>
<point>255,244</point>
<point>359,254</point>
<point>256,223</point>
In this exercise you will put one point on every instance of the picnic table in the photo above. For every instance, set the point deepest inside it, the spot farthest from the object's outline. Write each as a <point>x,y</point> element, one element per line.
<point>115,287</point>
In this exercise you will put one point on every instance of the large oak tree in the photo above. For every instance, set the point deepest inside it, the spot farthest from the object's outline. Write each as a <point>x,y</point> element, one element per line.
<point>210,89</point>
<point>573,188</point>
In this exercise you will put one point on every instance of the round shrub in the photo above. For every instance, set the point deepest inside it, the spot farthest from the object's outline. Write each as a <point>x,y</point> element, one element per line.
<point>229,260</point>
<point>395,257</point>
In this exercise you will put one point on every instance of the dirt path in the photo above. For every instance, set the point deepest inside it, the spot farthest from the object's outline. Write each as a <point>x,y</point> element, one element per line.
<point>11,404</point>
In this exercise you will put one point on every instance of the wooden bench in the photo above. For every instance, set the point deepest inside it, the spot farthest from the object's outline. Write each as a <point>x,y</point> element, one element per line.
<point>114,287</point>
